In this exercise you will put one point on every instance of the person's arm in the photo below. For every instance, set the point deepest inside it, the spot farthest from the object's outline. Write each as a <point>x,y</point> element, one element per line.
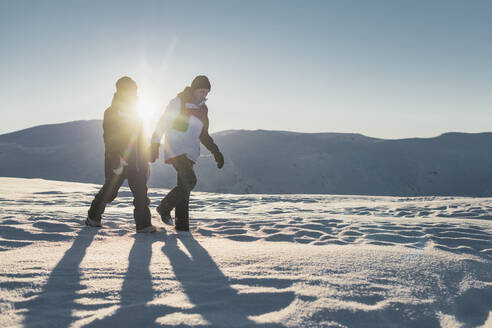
<point>112,131</point>
<point>119,129</point>
<point>208,142</point>
<point>114,136</point>
<point>161,128</point>
<point>165,120</point>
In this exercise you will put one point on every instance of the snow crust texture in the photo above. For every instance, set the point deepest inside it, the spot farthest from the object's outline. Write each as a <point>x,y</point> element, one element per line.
<point>249,261</point>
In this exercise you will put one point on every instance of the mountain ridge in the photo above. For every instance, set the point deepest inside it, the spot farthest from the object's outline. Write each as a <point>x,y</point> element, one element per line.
<point>266,161</point>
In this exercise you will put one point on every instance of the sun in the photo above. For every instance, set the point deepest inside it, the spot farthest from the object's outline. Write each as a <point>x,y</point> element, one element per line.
<point>147,109</point>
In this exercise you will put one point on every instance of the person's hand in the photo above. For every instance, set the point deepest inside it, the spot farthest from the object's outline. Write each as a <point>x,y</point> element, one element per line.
<point>219,158</point>
<point>154,151</point>
<point>123,162</point>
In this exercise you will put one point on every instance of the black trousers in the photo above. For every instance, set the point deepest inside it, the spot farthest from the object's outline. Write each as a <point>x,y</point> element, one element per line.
<point>137,181</point>
<point>179,197</point>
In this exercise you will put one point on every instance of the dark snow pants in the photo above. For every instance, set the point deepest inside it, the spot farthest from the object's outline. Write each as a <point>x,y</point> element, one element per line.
<point>137,181</point>
<point>179,196</point>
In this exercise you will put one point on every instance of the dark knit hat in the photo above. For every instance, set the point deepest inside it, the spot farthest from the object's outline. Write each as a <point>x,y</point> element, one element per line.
<point>125,84</point>
<point>201,82</point>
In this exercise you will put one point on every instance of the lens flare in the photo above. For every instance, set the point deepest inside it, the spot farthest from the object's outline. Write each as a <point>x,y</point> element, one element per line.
<point>146,110</point>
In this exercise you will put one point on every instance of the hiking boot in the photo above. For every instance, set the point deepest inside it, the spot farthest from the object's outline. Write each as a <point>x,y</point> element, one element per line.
<point>165,215</point>
<point>147,229</point>
<point>92,222</point>
<point>182,224</point>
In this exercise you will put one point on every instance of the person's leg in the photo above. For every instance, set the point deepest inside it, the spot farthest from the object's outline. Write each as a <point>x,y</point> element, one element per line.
<point>186,182</point>
<point>168,203</point>
<point>106,194</point>
<point>137,181</point>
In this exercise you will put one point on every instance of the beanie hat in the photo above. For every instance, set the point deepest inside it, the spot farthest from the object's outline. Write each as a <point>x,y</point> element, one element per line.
<point>125,83</point>
<point>201,82</point>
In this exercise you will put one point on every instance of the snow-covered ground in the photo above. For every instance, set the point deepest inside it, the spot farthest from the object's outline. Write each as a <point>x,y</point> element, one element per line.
<point>249,261</point>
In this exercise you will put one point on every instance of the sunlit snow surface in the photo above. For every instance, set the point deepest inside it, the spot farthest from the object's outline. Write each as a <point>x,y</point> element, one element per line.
<point>249,261</point>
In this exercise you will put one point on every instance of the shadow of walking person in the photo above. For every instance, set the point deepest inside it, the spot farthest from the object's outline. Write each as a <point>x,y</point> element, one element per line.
<point>54,305</point>
<point>210,291</point>
<point>137,290</point>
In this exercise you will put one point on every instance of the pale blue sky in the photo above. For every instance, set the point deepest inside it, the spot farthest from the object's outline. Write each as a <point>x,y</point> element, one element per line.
<point>388,69</point>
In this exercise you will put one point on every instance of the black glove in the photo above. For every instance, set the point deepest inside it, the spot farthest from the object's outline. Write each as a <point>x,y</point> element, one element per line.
<point>154,151</point>
<point>219,159</point>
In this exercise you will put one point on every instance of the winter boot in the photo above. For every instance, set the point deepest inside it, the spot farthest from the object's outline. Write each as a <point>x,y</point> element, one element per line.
<point>93,222</point>
<point>165,214</point>
<point>147,229</point>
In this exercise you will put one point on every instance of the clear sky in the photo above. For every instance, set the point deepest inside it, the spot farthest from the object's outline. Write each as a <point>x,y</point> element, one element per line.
<point>389,69</point>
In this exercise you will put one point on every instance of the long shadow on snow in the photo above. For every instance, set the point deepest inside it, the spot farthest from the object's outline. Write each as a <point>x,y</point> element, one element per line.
<point>137,290</point>
<point>54,304</point>
<point>210,290</point>
<point>16,237</point>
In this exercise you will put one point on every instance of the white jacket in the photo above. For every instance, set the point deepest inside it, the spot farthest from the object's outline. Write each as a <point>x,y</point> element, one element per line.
<point>180,142</point>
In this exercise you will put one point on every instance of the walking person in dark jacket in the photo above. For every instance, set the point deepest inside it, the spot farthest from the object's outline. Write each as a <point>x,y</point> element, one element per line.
<point>126,157</point>
<point>185,124</point>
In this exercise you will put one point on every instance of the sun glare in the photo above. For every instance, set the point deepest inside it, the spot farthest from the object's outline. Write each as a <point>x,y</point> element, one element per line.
<point>146,110</point>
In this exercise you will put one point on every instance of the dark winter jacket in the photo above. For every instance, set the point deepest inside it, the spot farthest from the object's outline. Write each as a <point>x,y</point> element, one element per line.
<point>123,132</point>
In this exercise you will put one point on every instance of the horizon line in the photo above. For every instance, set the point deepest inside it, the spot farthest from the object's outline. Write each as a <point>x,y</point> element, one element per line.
<point>268,130</point>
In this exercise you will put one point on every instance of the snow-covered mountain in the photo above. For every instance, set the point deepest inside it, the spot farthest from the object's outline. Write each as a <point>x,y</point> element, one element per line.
<point>274,161</point>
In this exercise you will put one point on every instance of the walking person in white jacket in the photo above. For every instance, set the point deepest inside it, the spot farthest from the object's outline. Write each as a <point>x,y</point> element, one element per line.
<point>184,124</point>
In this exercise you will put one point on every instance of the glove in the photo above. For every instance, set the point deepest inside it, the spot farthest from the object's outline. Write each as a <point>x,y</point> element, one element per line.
<point>219,159</point>
<point>154,151</point>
